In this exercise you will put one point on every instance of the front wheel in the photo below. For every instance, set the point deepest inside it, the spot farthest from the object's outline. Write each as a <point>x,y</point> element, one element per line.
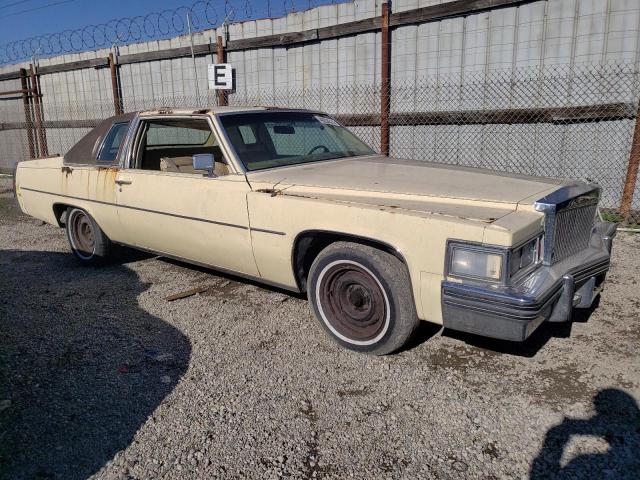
<point>88,242</point>
<point>362,297</point>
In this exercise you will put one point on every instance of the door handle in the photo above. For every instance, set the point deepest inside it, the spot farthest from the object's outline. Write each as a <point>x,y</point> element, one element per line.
<point>122,181</point>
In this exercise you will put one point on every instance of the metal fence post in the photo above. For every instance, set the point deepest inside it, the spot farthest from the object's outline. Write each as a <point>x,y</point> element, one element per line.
<point>632,173</point>
<point>40,131</point>
<point>385,83</point>
<point>26,101</point>
<point>193,61</point>
<point>115,85</point>
<point>221,58</point>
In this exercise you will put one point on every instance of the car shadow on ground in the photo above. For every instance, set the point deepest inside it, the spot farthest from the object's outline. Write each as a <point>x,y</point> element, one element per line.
<point>616,421</point>
<point>82,367</point>
<point>532,345</point>
<point>230,276</point>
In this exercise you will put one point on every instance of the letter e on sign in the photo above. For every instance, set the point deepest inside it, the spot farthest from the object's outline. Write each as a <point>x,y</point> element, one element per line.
<point>220,76</point>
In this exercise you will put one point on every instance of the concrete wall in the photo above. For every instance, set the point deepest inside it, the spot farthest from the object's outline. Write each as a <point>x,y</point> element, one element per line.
<point>458,63</point>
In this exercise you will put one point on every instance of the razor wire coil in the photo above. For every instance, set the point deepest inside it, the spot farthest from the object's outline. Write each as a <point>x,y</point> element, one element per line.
<point>202,15</point>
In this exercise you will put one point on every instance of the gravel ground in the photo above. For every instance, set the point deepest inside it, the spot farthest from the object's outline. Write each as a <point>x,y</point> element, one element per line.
<point>101,376</point>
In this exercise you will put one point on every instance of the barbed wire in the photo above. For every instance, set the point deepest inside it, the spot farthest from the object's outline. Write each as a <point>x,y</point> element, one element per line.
<point>202,15</point>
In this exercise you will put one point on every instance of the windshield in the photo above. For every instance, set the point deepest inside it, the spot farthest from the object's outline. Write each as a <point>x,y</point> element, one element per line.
<point>274,139</point>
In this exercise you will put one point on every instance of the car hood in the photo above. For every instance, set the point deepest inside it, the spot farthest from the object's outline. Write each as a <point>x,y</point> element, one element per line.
<point>407,184</point>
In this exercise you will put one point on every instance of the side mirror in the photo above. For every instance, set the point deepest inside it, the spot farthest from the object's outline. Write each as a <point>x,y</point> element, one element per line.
<point>204,161</point>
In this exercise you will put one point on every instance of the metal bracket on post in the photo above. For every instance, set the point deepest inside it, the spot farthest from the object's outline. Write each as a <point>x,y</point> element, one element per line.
<point>385,81</point>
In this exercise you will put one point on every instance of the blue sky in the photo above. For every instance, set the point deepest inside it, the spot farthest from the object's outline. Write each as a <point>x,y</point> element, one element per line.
<point>17,23</point>
<point>20,19</point>
<point>24,24</point>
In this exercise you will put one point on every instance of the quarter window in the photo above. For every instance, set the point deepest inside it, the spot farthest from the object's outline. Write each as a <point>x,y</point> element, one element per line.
<point>112,142</point>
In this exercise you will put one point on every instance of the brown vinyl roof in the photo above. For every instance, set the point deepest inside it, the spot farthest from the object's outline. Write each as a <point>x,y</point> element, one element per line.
<point>85,152</point>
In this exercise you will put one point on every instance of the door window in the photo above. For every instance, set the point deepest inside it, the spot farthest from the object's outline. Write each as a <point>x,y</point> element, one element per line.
<point>168,145</point>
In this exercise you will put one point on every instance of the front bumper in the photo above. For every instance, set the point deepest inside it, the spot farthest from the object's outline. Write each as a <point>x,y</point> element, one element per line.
<point>550,293</point>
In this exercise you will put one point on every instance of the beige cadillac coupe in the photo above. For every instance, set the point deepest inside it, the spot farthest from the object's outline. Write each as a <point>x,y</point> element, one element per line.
<point>293,199</point>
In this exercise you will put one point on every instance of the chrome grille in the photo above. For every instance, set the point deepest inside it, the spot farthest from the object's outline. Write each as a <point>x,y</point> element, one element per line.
<point>572,231</point>
<point>569,215</point>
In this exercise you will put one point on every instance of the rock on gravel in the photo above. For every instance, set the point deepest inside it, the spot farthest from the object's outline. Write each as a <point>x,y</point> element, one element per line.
<point>101,377</point>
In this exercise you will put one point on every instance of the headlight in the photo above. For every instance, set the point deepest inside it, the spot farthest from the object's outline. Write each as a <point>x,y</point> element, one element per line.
<point>525,256</point>
<point>476,261</point>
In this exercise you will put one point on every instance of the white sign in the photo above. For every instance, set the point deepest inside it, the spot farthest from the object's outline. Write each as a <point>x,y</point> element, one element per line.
<point>220,76</point>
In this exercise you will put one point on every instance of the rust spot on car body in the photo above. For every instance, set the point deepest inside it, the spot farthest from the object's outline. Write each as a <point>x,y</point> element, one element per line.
<point>112,170</point>
<point>105,183</point>
<point>272,191</point>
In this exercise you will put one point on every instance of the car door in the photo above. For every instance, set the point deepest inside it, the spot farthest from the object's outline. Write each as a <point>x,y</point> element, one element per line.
<point>167,207</point>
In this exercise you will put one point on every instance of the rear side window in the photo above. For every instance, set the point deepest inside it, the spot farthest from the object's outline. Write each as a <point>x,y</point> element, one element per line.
<point>173,135</point>
<point>112,142</point>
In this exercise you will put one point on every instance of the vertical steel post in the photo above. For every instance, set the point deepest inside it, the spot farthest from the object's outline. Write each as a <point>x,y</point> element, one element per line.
<point>40,133</point>
<point>45,143</point>
<point>115,85</point>
<point>221,58</point>
<point>193,60</point>
<point>385,83</point>
<point>632,173</point>
<point>27,112</point>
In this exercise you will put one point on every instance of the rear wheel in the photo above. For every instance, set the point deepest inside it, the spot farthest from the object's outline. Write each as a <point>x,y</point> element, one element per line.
<point>362,297</point>
<point>88,242</point>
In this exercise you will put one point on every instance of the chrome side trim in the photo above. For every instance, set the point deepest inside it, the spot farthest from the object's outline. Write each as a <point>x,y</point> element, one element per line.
<point>185,217</point>
<point>263,230</point>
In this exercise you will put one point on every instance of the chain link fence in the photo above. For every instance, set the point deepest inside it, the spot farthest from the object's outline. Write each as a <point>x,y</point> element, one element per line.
<point>574,122</point>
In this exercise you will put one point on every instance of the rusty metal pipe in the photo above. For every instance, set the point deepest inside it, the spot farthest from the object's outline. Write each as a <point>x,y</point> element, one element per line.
<point>45,144</point>
<point>115,85</point>
<point>37,106</point>
<point>385,81</point>
<point>221,57</point>
<point>27,112</point>
<point>632,173</point>
<point>22,91</point>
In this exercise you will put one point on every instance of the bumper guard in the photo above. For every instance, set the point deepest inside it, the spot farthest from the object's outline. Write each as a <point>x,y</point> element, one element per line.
<point>549,293</point>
